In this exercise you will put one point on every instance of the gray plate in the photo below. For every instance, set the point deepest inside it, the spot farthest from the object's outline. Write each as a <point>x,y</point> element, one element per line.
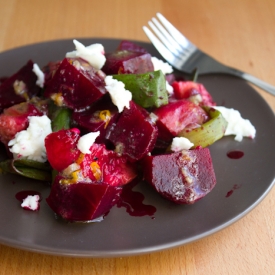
<point>121,234</point>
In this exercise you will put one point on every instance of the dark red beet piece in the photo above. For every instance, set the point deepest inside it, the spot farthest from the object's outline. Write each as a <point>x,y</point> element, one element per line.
<point>106,166</point>
<point>130,46</point>
<point>61,148</point>
<point>49,71</point>
<point>82,201</point>
<point>183,177</point>
<point>134,135</point>
<point>77,82</point>
<point>2,79</point>
<point>127,62</point>
<point>15,119</point>
<point>96,118</point>
<point>176,115</point>
<point>19,87</point>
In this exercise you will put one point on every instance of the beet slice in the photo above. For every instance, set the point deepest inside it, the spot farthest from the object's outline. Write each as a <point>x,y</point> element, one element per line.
<point>183,177</point>
<point>20,87</point>
<point>82,201</point>
<point>76,83</point>
<point>127,62</point>
<point>61,148</point>
<point>134,135</point>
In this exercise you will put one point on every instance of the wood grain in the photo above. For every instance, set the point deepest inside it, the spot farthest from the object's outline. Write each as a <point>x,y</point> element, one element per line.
<point>238,33</point>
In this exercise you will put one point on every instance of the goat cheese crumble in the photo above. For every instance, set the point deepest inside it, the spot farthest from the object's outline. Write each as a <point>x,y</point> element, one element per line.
<point>181,143</point>
<point>161,65</point>
<point>40,75</point>
<point>166,69</point>
<point>93,54</point>
<point>119,95</point>
<point>86,141</point>
<point>31,202</point>
<point>236,124</point>
<point>169,88</point>
<point>29,143</point>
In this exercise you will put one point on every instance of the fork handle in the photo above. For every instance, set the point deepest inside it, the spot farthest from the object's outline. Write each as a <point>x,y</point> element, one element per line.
<point>252,79</point>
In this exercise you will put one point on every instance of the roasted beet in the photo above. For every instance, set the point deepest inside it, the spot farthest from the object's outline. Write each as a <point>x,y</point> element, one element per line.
<point>183,177</point>
<point>104,165</point>
<point>49,71</point>
<point>130,46</point>
<point>61,148</point>
<point>134,135</point>
<point>2,79</point>
<point>127,62</point>
<point>176,115</point>
<point>96,117</point>
<point>19,87</point>
<point>75,84</point>
<point>82,201</point>
<point>15,119</point>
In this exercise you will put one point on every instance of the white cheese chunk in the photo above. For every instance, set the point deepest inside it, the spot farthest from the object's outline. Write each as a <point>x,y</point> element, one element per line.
<point>169,88</point>
<point>93,54</point>
<point>181,143</point>
<point>119,95</point>
<point>161,65</point>
<point>31,202</point>
<point>236,124</point>
<point>29,143</point>
<point>86,141</point>
<point>40,75</point>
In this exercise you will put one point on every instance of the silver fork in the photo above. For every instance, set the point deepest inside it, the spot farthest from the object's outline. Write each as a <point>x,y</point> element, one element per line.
<point>177,50</point>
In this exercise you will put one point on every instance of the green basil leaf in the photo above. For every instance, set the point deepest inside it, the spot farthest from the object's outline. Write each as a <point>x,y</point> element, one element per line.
<point>27,168</point>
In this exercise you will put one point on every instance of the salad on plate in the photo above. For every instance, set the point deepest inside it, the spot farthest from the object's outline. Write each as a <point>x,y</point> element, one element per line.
<point>94,122</point>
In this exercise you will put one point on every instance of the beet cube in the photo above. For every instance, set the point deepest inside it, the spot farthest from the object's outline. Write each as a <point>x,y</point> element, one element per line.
<point>77,83</point>
<point>82,201</point>
<point>134,135</point>
<point>96,117</point>
<point>106,166</point>
<point>61,148</point>
<point>127,62</point>
<point>130,46</point>
<point>49,70</point>
<point>2,79</point>
<point>19,87</point>
<point>183,177</point>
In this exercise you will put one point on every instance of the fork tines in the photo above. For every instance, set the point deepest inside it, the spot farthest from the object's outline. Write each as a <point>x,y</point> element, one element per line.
<point>168,40</point>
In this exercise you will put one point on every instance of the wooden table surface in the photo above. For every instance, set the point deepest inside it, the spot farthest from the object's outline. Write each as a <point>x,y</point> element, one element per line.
<point>239,33</point>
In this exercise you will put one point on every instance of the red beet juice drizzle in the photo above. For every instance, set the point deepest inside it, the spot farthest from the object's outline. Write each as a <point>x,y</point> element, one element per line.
<point>133,202</point>
<point>235,187</point>
<point>235,154</point>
